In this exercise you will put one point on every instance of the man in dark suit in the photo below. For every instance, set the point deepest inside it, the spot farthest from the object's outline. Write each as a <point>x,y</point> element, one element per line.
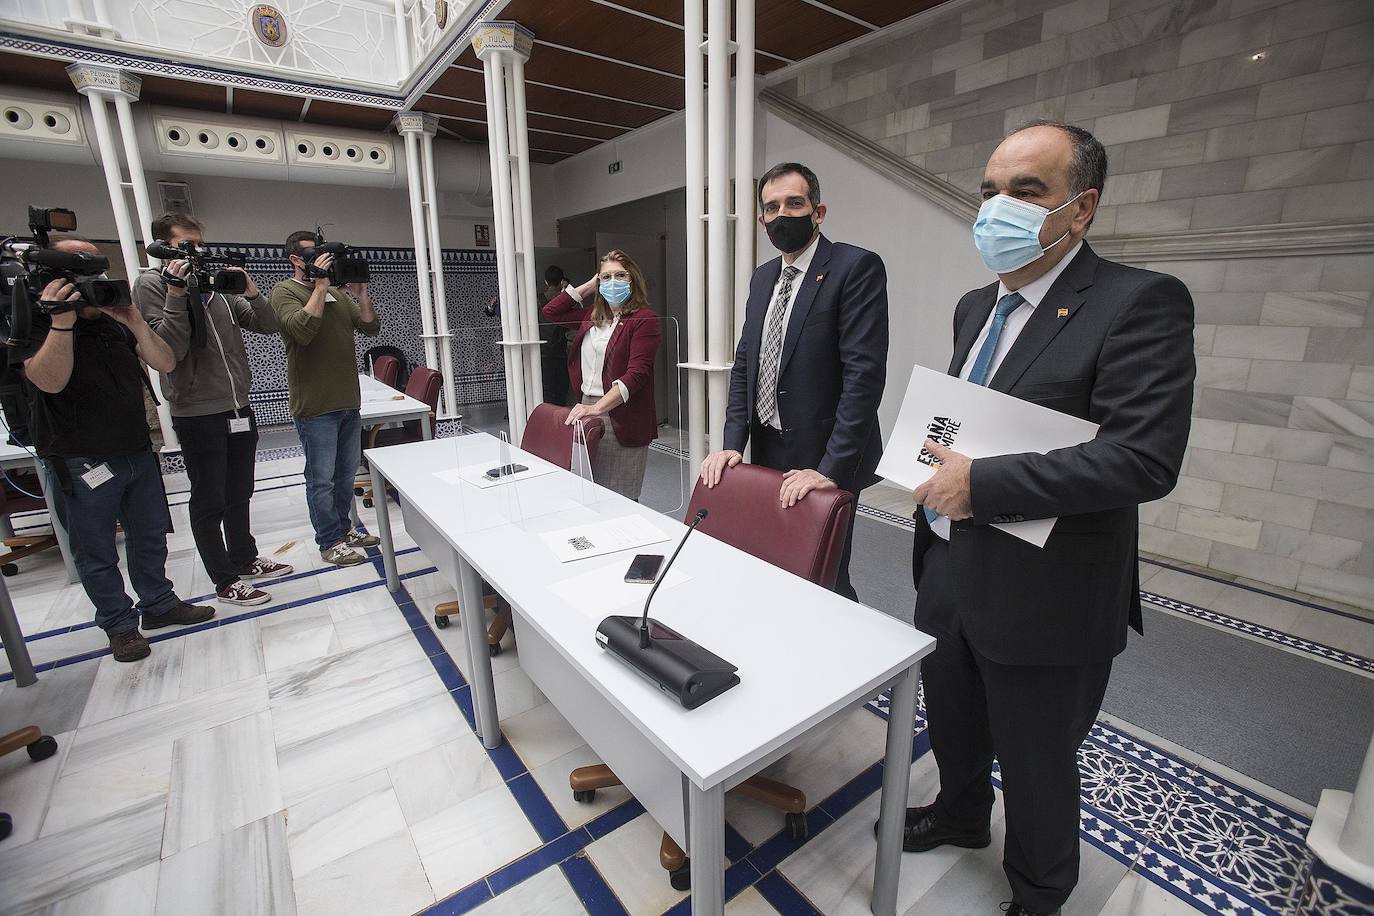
<point>812,359</point>
<point>1026,635</point>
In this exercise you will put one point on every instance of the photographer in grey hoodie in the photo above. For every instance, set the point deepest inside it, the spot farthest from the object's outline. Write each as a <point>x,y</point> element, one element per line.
<point>208,396</point>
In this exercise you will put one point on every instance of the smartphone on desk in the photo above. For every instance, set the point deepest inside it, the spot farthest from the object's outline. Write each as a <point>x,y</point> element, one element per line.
<point>644,569</point>
<point>506,470</point>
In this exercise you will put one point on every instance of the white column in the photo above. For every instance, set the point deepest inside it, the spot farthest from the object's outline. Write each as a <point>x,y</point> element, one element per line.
<point>529,300</point>
<point>411,126</point>
<point>436,262</point>
<point>694,123</point>
<point>402,42</point>
<point>134,159</point>
<point>517,234</point>
<point>718,304</point>
<point>114,183</point>
<point>744,157</point>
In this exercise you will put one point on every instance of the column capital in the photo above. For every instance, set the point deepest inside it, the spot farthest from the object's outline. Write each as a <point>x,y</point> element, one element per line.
<point>415,122</point>
<point>89,78</point>
<point>500,36</point>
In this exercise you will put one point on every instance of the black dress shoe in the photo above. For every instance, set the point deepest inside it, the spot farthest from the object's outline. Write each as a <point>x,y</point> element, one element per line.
<point>1016,909</point>
<point>923,832</point>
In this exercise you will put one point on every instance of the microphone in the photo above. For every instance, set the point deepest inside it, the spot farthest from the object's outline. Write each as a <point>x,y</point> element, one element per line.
<point>687,671</point>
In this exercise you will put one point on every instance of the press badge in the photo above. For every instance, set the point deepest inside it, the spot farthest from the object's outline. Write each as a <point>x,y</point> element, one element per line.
<point>240,425</point>
<point>94,477</point>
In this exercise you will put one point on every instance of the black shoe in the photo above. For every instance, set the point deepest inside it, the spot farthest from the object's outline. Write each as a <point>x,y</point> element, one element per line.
<point>129,646</point>
<point>183,614</point>
<point>924,832</point>
<point>1015,909</point>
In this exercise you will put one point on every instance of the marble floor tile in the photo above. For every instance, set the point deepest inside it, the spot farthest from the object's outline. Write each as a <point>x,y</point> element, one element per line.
<point>299,720</point>
<point>364,631</point>
<point>552,777</point>
<point>69,607</point>
<point>471,839</point>
<point>67,645</point>
<point>382,879</point>
<point>546,894</point>
<point>1342,633</point>
<point>749,902</point>
<point>133,893</point>
<point>628,860</point>
<point>243,873</point>
<point>441,777</point>
<point>339,821</point>
<point>819,767</point>
<point>539,734</point>
<point>1275,613</point>
<point>130,781</point>
<point>220,656</point>
<point>290,641</point>
<point>222,778</point>
<point>317,677</point>
<point>26,789</point>
<point>516,693</point>
<point>359,748</point>
<point>168,722</point>
<point>360,603</point>
<point>1139,896</point>
<point>54,703</point>
<point>49,869</point>
<point>1189,589</point>
<point>124,687</point>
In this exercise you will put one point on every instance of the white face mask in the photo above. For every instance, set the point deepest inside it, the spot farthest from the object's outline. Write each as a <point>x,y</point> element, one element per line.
<point>1007,232</point>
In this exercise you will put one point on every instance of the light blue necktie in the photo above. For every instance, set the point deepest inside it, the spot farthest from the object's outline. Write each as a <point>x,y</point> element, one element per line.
<point>978,375</point>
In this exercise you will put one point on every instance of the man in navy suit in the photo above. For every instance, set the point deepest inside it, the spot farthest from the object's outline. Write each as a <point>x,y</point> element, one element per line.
<point>812,359</point>
<point>1026,635</point>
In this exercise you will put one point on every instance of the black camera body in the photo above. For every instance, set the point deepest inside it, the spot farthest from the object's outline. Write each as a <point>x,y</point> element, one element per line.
<point>208,273</point>
<point>348,266</point>
<point>28,266</point>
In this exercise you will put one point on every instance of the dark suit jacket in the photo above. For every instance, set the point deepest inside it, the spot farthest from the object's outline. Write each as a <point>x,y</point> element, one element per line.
<point>834,364</point>
<point>1122,357</point>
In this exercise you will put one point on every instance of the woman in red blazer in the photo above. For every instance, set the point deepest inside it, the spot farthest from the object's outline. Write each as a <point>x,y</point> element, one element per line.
<point>611,366</point>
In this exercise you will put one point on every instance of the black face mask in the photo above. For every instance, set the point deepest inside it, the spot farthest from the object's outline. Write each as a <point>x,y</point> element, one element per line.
<point>790,233</point>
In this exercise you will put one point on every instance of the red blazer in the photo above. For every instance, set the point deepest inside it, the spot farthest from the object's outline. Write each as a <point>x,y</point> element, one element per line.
<point>630,355</point>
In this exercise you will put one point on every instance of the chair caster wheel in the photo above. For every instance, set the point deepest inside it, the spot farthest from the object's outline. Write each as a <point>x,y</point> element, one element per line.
<point>441,621</point>
<point>584,795</point>
<point>9,569</point>
<point>681,878</point>
<point>358,491</point>
<point>493,649</point>
<point>367,504</point>
<point>6,825</point>
<point>796,827</point>
<point>43,748</point>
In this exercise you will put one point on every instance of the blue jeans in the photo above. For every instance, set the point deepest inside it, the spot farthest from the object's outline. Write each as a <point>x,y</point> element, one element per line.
<point>133,497</point>
<point>333,447</point>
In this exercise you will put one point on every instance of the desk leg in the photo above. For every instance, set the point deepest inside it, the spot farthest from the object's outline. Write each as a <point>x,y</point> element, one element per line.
<point>479,661</point>
<point>896,781</point>
<point>706,847</point>
<point>15,649</point>
<point>426,428</point>
<point>393,581</point>
<point>64,544</point>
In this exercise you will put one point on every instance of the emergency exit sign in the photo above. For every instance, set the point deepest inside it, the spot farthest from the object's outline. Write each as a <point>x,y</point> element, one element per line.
<point>613,167</point>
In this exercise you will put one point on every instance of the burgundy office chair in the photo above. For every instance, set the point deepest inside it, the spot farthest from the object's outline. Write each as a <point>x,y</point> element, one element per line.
<point>547,436</point>
<point>423,385</point>
<point>385,369</point>
<point>806,540</point>
<point>13,500</point>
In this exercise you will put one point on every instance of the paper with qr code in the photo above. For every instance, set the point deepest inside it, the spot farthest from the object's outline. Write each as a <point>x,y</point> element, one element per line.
<point>597,539</point>
<point>980,423</point>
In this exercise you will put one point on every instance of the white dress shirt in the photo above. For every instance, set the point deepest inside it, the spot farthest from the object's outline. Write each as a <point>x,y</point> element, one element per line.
<point>594,356</point>
<point>1033,293</point>
<point>802,264</point>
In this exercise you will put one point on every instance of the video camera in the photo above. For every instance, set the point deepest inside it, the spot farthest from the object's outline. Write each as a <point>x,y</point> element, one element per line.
<point>202,263</point>
<point>348,266</point>
<point>28,266</point>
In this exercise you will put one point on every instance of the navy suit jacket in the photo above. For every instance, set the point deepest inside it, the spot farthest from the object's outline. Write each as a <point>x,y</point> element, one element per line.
<point>834,365</point>
<point>1111,344</point>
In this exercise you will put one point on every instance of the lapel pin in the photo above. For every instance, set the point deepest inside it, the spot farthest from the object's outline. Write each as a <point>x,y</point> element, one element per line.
<point>1063,313</point>
<point>820,277</point>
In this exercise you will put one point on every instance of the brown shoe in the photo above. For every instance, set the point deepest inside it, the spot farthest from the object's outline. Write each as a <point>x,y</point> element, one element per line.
<point>129,646</point>
<point>182,614</point>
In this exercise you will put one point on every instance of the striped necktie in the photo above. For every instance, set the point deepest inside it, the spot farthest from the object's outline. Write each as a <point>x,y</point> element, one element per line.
<point>771,361</point>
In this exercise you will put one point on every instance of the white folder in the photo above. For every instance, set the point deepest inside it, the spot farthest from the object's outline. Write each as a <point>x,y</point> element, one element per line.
<point>978,422</point>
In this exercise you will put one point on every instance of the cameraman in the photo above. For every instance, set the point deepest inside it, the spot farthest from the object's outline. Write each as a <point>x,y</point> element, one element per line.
<point>89,426</point>
<point>317,324</point>
<point>208,396</point>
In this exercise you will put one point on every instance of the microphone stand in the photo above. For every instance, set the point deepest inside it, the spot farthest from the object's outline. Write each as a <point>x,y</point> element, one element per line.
<point>644,622</point>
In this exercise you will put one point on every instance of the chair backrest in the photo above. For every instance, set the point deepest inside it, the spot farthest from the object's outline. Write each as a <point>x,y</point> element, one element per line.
<point>385,368</point>
<point>547,436</point>
<point>743,511</point>
<point>424,385</point>
<point>402,364</point>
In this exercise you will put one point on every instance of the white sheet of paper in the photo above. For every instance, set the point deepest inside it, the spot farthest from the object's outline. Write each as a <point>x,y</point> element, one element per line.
<point>476,474</point>
<point>604,591</point>
<point>597,539</point>
<point>978,422</point>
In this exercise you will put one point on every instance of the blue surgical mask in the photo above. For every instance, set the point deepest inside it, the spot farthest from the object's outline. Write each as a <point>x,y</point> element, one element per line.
<point>1007,232</point>
<point>615,292</point>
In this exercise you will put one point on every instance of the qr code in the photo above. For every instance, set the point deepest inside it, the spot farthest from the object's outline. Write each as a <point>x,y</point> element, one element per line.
<point>580,543</point>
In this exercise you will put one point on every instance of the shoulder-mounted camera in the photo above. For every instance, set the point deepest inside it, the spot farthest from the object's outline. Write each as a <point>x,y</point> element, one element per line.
<point>348,265</point>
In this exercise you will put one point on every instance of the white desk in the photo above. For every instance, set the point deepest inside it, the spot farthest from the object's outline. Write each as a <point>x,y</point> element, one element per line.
<point>384,404</point>
<point>16,456</point>
<point>804,654</point>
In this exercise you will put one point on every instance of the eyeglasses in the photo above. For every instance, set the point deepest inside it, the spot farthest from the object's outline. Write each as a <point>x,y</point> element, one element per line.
<point>617,275</point>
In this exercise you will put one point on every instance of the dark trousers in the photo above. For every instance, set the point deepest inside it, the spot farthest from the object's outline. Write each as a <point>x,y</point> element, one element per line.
<point>1032,719</point>
<point>220,467</point>
<point>134,498</point>
<point>333,447</point>
<point>770,451</point>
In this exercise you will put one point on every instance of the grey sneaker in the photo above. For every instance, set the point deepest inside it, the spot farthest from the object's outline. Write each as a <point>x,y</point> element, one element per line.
<point>342,555</point>
<point>356,538</point>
